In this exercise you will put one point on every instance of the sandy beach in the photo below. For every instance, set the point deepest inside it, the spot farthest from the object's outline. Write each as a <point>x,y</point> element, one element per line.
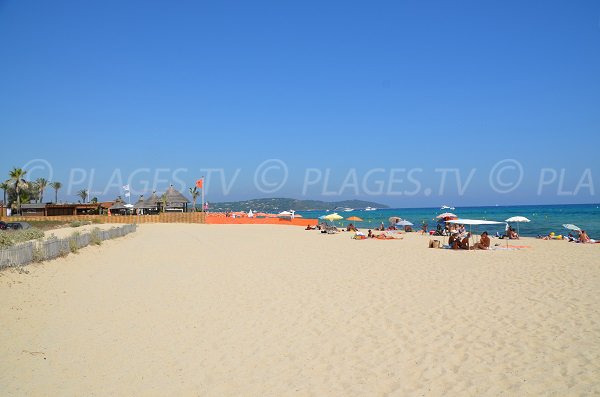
<point>265,310</point>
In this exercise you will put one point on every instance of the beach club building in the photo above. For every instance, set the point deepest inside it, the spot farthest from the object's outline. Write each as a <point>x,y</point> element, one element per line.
<point>171,201</point>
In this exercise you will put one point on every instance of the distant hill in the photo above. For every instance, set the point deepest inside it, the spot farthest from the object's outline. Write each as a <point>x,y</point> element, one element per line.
<point>285,204</point>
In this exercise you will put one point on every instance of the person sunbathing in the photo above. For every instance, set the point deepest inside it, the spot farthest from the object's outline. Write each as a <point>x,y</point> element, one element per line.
<point>484,242</point>
<point>309,227</point>
<point>512,234</point>
<point>370,235</point>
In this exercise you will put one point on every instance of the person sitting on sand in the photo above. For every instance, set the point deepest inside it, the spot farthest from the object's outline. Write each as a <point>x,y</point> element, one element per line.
<point>512,234</point>
<point>351,228</point>
<point>484,242</point>
<point>370,234</point>
<point>460,243</point>
<point>583,237</point>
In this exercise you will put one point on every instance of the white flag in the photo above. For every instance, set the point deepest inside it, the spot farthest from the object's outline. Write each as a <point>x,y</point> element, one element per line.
<point>126,187</point>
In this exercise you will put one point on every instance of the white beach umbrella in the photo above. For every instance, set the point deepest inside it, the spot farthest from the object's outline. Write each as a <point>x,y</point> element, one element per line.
<point>572,227</point>
<point>517,220</point>
<point>404,222</point>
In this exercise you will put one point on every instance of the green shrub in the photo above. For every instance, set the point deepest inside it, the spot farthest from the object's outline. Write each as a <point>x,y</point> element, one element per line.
<point>73,246</point>
<point>95,236</point>
<point>8,238</point>
<point>73,242</point>
<point>5,240</point>
<point>20,236</point>
<point>79,223</point>
<point>38,254</point>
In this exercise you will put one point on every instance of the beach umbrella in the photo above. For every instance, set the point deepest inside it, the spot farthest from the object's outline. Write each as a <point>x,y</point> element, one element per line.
<point>572,227</point>
<point>517,220</point>
<point>333,217</point>
<point>446,215</point>
<point>354,218</point>
<point>394,219</point>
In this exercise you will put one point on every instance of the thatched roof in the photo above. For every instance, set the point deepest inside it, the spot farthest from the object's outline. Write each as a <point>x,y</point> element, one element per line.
<point>118,206</point>
<point>140,203</point>
<point>151,202</point>
<point>174,197</point>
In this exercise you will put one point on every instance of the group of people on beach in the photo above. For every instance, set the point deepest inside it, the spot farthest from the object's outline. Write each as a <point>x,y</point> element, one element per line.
<point>461,241</point>
<point>582,238</point>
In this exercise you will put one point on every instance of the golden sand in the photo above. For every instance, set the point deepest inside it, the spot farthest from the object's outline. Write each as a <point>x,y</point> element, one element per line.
<point>261,310</point>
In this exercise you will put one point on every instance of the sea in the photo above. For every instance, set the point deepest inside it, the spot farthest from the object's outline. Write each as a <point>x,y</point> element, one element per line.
<point>543,218</point>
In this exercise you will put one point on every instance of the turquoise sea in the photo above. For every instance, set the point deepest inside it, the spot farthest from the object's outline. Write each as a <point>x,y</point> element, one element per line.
<point>544,218</point>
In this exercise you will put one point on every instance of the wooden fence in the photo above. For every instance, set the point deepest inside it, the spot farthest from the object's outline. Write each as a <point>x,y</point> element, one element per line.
<point>169,217</point>
<point>42,250</point>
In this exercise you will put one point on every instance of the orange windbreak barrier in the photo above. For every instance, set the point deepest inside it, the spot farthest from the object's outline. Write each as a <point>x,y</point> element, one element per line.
<point>219,219</point>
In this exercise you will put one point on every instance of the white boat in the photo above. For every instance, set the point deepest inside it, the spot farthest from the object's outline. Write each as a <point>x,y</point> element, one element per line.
<point>370,209</point>
<point>445,207</point>
<point>348,209</point>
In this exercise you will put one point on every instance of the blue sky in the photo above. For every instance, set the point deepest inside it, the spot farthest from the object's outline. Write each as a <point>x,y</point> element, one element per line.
<point>106,88</point>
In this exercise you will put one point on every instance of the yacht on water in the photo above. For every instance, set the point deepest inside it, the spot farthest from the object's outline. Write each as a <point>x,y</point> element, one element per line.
<point>370,209</point>
<point>445,207</point>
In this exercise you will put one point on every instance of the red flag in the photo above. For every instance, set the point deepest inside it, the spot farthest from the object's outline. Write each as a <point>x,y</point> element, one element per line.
<point>199,183</point>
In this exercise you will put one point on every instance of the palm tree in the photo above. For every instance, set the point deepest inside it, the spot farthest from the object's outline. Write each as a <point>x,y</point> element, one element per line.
<point>41,183</point>
<point>4,186</point>
<point>18,182</point>
<point>56,186</point>
<point>83,194</point>
<point>195,193</point>
<point>33,191</point>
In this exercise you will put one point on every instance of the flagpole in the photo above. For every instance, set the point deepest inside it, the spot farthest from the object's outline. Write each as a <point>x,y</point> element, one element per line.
<point>202,179</point>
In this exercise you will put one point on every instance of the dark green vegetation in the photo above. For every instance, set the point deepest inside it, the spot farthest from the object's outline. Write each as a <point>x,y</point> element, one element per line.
<point>285,204</point>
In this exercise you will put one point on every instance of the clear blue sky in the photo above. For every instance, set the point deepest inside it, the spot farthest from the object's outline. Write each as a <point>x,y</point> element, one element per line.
<point>108,85</point>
